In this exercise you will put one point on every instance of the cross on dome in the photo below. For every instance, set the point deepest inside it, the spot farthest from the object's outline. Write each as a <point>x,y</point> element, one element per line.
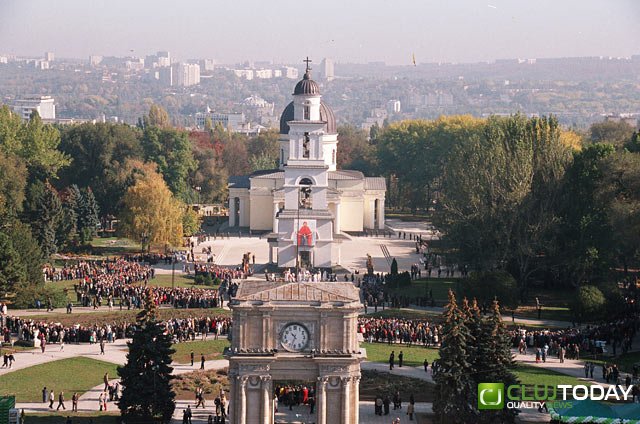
<point>307,60</point>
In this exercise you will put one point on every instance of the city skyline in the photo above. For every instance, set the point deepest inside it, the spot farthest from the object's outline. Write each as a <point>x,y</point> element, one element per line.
<point>359,32</point>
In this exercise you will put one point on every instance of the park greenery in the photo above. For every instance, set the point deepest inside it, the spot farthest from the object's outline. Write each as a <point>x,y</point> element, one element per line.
<point>522,202</point>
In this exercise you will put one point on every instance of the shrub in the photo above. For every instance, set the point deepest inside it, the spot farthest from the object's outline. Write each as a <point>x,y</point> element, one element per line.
<point>589,303</point>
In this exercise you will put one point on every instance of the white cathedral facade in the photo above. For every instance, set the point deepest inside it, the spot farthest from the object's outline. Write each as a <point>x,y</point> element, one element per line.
<point>307,206</point>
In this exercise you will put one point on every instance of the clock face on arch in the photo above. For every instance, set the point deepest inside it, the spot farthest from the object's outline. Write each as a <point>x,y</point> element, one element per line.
<point>294,337</point>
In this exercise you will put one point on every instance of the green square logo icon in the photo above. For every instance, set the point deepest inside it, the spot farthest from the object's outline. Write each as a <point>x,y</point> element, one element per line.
<point>490,396</point>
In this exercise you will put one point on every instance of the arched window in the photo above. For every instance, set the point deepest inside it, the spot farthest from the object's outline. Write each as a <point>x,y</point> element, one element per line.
<point>306,145</point>
<point>304,195</point>
<point>281,156</point>
<point>307,112</point>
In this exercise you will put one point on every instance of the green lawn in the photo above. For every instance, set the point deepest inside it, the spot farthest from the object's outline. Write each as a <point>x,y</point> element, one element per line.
<point>413,356</point>
<point>556,313</point>
<point>212,349</point>
<point>70,375</point>
<point>528,374</point>
<point>403,314</point>
<point>164,280</point>
<point>419,288</point>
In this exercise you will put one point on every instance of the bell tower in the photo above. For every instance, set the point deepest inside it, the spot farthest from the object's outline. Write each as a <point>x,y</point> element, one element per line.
<point>308,148</point>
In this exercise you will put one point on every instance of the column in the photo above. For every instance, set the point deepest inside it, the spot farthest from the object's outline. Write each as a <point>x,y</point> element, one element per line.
<point>232,212</point>
<point>275,218</point>
<point>243,214</point>
<point>233,395</point>
<point>242,410</point>
<point>356,400</point>
<point>345,400</point>
<point>270,254</point>
<point>322,400</point>
<point>337,221</point>
<point>380,214</point>
<point>267,403</point>
<point>372,217</point>
<point>266,329</point>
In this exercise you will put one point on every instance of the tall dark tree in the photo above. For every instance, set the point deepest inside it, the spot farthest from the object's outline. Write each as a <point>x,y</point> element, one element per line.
<point>456,392</point>
<point>498,364</point>
<point>88,215</point>
<point>43,212</point>
<point>147,394</point>
<point>12,268</point>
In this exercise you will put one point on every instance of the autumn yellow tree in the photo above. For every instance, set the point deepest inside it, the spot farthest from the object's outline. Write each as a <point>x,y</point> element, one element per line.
<point>150,212</point>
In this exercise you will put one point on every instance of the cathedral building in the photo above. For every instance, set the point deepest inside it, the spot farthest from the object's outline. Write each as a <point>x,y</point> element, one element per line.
<point>307,207</point>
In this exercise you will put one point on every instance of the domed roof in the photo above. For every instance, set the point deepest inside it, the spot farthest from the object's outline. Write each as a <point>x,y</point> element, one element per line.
<point>306,85</point>
<point>326,114</point>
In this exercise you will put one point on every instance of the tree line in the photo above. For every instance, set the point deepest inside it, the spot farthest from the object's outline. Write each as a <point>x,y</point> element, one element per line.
<point>58,184</point>
<point>517,194</point>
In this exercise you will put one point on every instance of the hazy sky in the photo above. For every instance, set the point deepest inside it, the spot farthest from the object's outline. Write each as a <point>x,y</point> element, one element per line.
<point>231,31</point>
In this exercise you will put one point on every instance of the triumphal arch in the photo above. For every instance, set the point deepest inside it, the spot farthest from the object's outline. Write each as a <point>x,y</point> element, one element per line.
<point>295,331</point>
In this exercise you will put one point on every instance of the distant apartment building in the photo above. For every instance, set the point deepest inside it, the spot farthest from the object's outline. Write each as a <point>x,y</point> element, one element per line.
<point>95,60</point>
<point>41,64</point>
<point>394,106</point>
<point>208,65</point>
<point>4,59</point>
<point>229,121</point>
<point>290,72</point>
<point>135,64</point>
<point>244,73</point>
<point>264,73</point>
<point>188,74</point>
<point>326,69</point>
<point>44,105</point>
<point>49,56</point>
<point>163,59</point>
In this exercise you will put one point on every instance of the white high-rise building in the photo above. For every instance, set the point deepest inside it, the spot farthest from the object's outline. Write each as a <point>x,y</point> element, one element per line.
<point>188,74</point>
<point>164,59</point>
<point>326,69</point>
<point>290,72</point>
<point>49,56</point>
<point>95,60</point>
<point>44,105</point>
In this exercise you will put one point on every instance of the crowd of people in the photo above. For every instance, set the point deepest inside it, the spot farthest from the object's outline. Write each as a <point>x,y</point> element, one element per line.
<point>398,330</point>
<point>49,332</point>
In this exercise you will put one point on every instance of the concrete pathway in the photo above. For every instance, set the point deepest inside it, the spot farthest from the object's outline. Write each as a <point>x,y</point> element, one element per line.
<point>412,372</point>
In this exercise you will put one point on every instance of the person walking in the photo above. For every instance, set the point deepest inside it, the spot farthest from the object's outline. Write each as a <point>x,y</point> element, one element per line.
<point>400,359</point>
<point>45,394</point>
<point>52,399</point>
<point>202,361</point>
<point>105,379</point>
<point>426,365</point>
<point>391,359</point>
<point>192,357</point>
<point>61,401</point>
<point>74,402</point>
<point>101,346</point>
<point>410,411</point>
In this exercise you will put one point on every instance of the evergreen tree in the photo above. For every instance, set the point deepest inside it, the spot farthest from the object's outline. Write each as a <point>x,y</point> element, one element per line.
<point>498,363</point>
<point>455,394</point>
<point>146,377</point>
<point>67,229</point>
<point>88,212</point>
<point>44,210</point>
<point>12,269</point>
